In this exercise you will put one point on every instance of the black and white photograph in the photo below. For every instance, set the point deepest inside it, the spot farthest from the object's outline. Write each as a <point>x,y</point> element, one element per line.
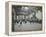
<point>26,18</point>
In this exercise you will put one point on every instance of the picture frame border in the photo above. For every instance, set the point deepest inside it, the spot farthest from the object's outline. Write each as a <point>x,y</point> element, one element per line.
<point>10,3</point>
